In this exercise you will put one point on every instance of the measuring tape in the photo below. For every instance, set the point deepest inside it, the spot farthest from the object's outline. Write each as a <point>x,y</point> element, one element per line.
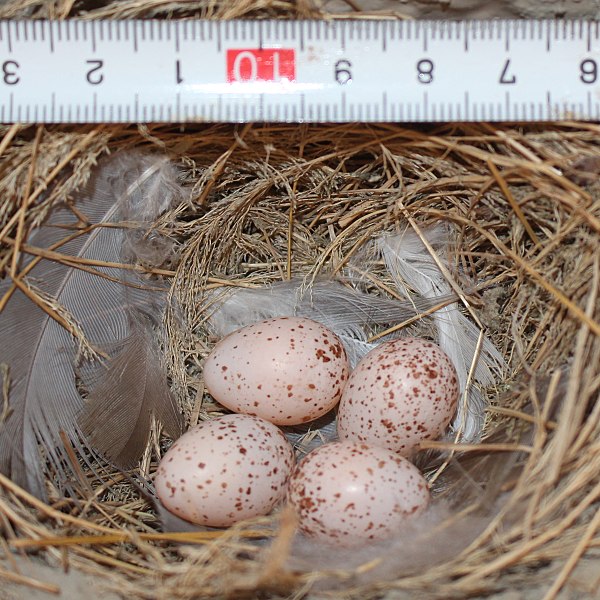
<point>298,71</point>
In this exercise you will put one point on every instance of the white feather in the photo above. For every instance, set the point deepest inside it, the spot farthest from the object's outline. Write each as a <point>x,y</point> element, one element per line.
<point>349,313</point>
<point>412,267</point>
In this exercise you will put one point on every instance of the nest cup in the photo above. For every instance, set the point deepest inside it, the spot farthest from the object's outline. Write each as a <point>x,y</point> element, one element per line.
<point>266,203</point>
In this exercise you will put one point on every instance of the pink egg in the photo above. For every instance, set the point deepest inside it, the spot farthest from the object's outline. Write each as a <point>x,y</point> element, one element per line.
<point>225,470</point>
<point>401,393</point>
<point>347,493</point>
<point>287,370</point>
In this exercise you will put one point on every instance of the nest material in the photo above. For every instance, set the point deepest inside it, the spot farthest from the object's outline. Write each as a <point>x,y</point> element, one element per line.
<point>268,202</point>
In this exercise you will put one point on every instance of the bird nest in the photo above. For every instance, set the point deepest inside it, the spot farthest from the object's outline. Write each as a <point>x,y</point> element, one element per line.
<point>265,204</point>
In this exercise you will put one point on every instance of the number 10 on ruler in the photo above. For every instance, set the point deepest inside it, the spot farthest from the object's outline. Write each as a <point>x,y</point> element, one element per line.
<point>267,64</point>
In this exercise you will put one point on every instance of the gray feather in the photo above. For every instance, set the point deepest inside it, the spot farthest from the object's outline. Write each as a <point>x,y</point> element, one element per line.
<point>133,387</point>
<point>43,398</point>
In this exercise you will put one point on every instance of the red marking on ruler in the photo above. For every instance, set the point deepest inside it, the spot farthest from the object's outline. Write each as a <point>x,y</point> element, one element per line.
<point>268,64</point>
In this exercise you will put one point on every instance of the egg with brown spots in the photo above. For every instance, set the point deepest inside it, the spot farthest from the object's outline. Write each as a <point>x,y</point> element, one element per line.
<point>401,393</point>
<point>287,370</point>
<point>224,470</point>
<point>348,493</point>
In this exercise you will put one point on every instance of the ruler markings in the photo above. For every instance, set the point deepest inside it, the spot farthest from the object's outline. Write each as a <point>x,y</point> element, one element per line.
<point>381,33</point>
<point>9,36</point>
<point>92,27</point>
<point>261,36</point>
<point>588,36</point>
<point>47,25</point>
<point>136,43</point>
<point>381,96</point>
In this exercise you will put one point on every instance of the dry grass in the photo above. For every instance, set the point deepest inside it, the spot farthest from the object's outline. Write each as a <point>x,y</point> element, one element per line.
<point>268,202</point>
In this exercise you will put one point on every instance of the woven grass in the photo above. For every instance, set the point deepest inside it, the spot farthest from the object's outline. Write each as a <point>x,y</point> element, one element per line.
<point>270,202</point>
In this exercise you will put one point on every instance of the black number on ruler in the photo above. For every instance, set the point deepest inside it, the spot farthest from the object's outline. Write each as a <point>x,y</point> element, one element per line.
<point>9,72</point>
<point>504,78</point>
<point>343,74</point>
<point>425,70</point>
<point>588,71</point>
<point>178,77</point>
<point>93,76</point>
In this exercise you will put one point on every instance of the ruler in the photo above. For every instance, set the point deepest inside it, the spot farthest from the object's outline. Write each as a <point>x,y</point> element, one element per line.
<point>82,71</point>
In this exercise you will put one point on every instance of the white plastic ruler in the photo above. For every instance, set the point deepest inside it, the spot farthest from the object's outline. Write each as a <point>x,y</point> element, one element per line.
<point>293,71</point>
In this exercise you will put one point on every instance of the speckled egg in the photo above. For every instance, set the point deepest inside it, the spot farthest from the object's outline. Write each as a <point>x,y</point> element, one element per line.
<point>288,370</point>
<point>401,393</point>
<point>346,493</point>
<point>225,470</point>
